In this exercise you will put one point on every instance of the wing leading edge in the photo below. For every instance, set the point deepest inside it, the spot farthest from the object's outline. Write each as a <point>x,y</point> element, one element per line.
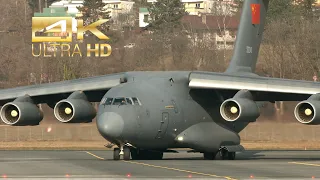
<point>50,92</point>
<point>263,88</point>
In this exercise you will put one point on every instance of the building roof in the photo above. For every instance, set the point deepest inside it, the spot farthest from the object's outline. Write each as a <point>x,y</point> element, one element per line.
<point>143,10</point>
<point>210,22</point>
<point>317,4</point>
<point>53,12</point>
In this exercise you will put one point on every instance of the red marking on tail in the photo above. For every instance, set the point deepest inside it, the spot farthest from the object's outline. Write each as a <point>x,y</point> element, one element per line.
<point>255,10</point>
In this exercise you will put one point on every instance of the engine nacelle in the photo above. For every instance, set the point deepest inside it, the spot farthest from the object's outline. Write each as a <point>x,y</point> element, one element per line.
<point>241,108</point>
<point>75,109</point>
<point>308,112</point>
<point>21,112</point>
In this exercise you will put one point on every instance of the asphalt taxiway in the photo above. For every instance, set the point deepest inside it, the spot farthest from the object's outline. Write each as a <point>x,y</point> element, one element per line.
<point>99,164</point>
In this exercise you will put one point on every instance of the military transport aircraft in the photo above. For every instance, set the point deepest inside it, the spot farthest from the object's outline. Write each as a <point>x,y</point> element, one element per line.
<point>145,114</point>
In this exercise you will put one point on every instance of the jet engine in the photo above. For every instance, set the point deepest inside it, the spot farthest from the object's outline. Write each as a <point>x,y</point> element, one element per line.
<point>308,112</point>
<point>75,109</point>
<point>240,108</point>
<point>21,112</point>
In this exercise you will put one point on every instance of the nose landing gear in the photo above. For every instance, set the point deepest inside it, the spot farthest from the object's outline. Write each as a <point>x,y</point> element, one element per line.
<point>116,154</point>
<point>123,151</point>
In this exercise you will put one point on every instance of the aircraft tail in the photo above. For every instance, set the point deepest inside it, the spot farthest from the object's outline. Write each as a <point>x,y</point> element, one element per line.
<point>249,37</point>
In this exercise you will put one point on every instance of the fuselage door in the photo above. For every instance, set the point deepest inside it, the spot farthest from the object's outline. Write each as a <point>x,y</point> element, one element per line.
<point>163,125</point>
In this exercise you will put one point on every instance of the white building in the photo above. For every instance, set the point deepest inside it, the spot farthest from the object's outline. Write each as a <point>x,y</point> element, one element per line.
<point>209,29</point>
<point>143,17</point>
<point>114,6</point>
<point>219,7</point>
<point>71,5</point>
<point>225,41</point>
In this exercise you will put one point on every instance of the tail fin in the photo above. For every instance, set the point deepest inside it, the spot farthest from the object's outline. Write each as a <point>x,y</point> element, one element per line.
<point>249,36</point>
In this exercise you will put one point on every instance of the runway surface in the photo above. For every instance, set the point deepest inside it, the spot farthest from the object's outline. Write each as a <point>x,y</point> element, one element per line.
<point>99,164</point>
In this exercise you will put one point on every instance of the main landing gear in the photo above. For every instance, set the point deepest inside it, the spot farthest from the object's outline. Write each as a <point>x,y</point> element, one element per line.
<point>226,155</point>
<point>223,153</point>
<point>136,154</point>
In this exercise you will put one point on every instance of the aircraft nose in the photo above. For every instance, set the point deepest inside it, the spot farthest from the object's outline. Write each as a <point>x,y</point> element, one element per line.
<point>110,124</point>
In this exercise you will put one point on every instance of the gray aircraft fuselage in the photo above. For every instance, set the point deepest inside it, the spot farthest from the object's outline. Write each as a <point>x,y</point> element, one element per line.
<point>168,107</point>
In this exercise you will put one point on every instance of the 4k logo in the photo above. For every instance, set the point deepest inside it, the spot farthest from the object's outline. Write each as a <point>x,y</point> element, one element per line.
<point>62,26</point>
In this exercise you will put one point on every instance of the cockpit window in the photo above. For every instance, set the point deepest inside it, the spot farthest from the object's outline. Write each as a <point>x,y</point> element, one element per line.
<point>119,101</point>
<point>136,101</point>
<point>108,101</point>
<point>129,101</point>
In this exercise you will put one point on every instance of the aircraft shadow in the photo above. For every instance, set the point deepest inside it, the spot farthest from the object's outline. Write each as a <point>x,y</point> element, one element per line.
<point>254,155</point>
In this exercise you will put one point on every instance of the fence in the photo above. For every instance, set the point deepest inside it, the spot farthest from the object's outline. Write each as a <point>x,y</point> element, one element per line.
<point>71,132</point>
<point>280,132</point>
<point>272,132</point>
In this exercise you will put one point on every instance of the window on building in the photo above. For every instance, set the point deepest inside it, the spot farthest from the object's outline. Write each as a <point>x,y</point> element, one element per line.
<point>220,43</point>
<point>115,6</point>
<point>229,43</point>
<point>145,18</point>
<point>197,5</point>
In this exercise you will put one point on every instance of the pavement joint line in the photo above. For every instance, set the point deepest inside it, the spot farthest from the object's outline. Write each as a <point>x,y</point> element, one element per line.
<point>168,168</point>
<point>306,164</point>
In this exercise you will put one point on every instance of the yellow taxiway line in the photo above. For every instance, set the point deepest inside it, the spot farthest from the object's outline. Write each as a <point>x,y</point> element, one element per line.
<point>94,155</point>
<point>168,168</point>
<point>306,164</point>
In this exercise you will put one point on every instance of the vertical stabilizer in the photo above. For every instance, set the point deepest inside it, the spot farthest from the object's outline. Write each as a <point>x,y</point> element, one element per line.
<point>249,37</point>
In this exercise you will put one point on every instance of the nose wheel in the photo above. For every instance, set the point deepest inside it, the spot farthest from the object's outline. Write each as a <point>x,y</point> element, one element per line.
<point>116,154</point>
<point>124,151</point>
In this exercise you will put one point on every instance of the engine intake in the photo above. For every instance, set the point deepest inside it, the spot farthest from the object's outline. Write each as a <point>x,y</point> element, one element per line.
<point>240,108</point>
<point>75,109</point>
<point>307,112</point>
<point>21,112</point>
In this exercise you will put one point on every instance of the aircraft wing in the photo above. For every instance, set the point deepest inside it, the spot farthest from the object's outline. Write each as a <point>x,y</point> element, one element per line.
<point>262,88</point>
<point>93,87</point>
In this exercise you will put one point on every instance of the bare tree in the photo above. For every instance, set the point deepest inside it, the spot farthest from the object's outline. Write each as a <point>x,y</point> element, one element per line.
<point>290,50</point>
<point>224,10</point>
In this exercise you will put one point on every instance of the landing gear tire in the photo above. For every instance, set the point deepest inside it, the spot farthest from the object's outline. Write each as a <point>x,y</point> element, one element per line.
<point>116,154</point>
<point>126,153</point>
<point>134,154</point>
<point>157,155</point>
<point>226,155</point>
<point>209,156</point>
<point>231,155</point>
